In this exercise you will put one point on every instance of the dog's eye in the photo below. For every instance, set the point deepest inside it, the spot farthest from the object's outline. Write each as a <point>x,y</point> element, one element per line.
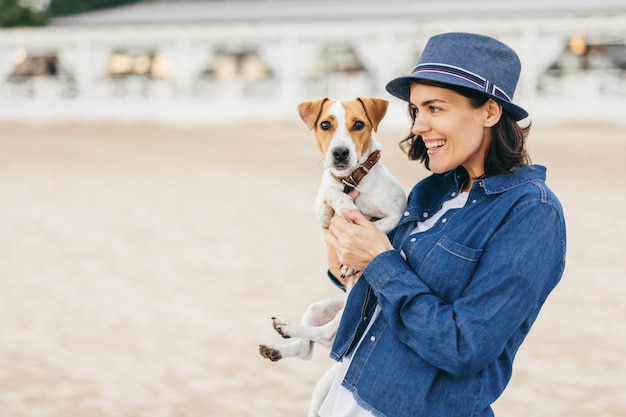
<point>325,125</point>
<point>358,125</point>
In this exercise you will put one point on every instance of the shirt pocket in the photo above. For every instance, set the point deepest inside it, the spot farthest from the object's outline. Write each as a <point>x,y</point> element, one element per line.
<point>448,268</point>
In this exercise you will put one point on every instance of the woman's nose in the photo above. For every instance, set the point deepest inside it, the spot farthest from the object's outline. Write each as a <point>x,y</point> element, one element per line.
<point>420,125</point>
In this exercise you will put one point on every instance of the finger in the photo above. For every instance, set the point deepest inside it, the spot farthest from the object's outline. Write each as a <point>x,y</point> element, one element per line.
<point>338,223</point>
<point>356,217</point>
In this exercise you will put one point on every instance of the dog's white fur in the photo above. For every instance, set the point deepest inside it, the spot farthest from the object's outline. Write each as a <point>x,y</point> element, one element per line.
<point>344,135</point>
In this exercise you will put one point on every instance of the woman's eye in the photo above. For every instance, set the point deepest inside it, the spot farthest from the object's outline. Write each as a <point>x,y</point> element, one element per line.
<point>413,111</point>
<point>434,109</point>
<point>358,125</point>
<point>325,125</point>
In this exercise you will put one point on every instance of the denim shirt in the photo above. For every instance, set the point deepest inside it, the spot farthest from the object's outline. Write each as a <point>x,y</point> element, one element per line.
<point>457,309</point>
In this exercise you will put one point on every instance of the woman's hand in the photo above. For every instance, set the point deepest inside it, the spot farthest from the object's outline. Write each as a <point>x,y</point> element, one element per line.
<point>355,239</point>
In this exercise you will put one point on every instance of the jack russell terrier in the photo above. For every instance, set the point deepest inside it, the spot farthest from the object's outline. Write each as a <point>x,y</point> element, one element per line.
<point>344,135</point>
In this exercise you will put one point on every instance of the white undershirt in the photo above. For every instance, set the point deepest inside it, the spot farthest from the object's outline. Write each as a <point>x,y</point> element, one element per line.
<point>340,402</point>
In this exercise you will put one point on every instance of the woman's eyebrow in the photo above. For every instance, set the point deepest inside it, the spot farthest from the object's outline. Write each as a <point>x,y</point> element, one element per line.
<point>427,103</point>
<point>431,101</point>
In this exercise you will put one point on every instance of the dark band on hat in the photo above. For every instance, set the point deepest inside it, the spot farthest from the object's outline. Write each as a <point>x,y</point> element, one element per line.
<point>484,84</point>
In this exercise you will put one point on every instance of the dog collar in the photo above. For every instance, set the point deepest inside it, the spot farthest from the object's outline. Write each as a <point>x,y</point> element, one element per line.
<point>351,181</point>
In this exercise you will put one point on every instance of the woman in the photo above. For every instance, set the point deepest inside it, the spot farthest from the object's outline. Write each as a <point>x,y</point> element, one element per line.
<point>445,300</point>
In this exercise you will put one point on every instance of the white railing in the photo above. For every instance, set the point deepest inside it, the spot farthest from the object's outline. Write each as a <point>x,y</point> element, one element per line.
<point>187,74</point>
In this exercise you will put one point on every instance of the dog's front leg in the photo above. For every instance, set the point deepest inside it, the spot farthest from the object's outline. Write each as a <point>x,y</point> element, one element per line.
<point>386,224</point>
<point>324,213</point>
<point>330,200</point>
<point>336,201</point>
<point>341,201</point>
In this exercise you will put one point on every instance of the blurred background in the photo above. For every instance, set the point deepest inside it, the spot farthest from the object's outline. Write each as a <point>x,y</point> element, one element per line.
<point>157,187</point>
<point>203,61</point>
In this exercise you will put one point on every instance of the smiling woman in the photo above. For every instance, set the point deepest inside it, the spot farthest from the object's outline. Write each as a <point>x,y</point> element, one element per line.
<point>447,297</point>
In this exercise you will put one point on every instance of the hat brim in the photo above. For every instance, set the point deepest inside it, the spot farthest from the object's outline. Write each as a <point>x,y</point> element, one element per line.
<point>401,88</point>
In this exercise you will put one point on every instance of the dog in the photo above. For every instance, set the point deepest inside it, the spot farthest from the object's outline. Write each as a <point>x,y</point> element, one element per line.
<point>344,135</point>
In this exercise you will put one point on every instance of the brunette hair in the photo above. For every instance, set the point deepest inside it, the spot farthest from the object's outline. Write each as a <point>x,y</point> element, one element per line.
<point>506,151</point>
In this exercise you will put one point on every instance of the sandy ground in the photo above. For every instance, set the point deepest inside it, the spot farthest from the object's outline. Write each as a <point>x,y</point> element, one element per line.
<point>140,266</point>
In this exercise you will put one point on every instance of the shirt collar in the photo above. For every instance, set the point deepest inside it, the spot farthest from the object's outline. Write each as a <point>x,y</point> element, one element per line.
<point>503,182</point>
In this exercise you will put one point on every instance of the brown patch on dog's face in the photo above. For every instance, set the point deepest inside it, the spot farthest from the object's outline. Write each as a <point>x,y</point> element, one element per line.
<point>314,114</point>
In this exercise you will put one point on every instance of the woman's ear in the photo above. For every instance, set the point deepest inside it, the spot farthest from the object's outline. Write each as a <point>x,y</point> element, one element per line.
<point>493,113</point>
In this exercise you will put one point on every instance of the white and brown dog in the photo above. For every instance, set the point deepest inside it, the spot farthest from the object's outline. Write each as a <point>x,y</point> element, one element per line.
<point>344,135</point>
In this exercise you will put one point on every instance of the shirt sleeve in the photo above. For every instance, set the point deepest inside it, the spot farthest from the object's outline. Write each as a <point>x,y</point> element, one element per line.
<point>335,281</point>
<point>521,263</point>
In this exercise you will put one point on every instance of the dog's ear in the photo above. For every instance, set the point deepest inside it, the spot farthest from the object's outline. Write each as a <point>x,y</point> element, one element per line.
<point>375,109</point>
<point>310,111</point>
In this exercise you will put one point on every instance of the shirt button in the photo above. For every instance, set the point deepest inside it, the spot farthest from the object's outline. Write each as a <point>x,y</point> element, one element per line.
<point>373,338</point>
<point>453,194</point>
<point>425,214</point>
<point>444,220</point>
<point>473,201</point>
<point>413,240</point>
<point>480,184</point>
<point>406,213</point>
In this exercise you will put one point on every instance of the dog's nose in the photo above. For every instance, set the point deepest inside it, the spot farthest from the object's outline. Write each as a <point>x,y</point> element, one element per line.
<point>341,153</point>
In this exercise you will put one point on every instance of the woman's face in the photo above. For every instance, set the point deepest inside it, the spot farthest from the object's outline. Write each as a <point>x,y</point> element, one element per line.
<point>454,133</point>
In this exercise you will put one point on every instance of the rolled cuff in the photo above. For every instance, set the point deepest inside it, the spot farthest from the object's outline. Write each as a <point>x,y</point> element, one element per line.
<point>336,282</point>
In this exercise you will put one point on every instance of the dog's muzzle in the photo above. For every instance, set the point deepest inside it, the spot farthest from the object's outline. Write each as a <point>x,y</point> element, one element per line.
<point>341,157</point>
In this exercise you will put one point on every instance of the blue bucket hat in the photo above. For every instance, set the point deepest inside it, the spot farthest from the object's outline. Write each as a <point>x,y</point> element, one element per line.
<point>467,60</point>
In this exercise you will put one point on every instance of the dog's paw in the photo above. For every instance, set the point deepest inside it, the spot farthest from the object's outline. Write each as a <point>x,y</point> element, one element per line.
<point>270,352</point>
<point>280,325</point>
<point>347,272</point>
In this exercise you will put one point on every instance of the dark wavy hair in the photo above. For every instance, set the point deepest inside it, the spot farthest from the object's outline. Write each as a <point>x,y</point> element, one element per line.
<point>507,149</point>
